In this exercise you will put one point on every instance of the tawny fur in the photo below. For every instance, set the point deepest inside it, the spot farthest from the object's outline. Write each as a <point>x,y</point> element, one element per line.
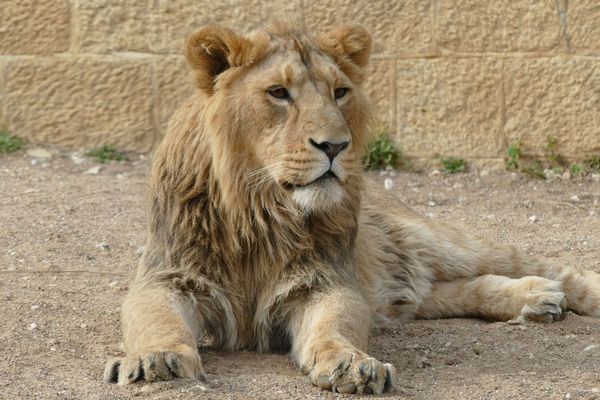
<point>245,251</point>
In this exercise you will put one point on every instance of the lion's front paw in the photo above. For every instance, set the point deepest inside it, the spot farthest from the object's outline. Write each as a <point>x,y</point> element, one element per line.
<point>352,372</point>
<point>153,366</point>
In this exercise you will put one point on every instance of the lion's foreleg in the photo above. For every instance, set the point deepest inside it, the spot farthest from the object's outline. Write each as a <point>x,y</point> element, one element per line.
<point>329,339</point>
<point>160,332</point>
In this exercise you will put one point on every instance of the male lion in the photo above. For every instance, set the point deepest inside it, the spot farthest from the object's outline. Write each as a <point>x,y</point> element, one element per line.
<point>264,232</point>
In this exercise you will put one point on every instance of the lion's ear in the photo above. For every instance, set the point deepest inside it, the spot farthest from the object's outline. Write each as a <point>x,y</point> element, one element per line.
<point>212,50</point>
<point>348,43</point>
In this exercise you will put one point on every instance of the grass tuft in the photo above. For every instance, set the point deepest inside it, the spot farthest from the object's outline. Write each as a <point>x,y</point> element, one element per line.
<point>9,143</point>
<point>106,153</point>
<point>453,165</point>
<point>381,152</point>
<point>593,162</point>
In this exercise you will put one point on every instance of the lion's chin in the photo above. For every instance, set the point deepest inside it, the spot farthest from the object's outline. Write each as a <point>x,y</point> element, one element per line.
<point>320,196</point>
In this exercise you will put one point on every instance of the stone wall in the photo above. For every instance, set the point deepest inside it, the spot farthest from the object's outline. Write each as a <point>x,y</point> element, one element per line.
<point>458,78</point>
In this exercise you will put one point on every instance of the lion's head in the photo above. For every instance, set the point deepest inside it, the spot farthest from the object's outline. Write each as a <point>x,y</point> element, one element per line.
<point>285,109</point>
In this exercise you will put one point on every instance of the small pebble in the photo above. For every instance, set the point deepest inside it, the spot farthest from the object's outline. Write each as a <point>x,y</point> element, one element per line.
<point>140,250</point>
<point>77,159</point>
<point>113,284</point>
<point>431,204</point>
<point>575,198</point>
<point>590,347</point>
<point>103,246</point>
<point>35,307</point>
<point>434,172</point>
<point>532,219</point>
<point>423,362</point>
<point>93,171</point>
<point>388,184</point>
<point>33,326</point>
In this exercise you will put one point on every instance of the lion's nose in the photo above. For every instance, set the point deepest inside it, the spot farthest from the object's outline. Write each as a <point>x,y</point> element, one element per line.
<point>331,149</point>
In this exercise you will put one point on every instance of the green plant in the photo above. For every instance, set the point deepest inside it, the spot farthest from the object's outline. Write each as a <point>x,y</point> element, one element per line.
<point>576,169</point>
<point>552,155</point>
<point>106,153</point>
<point>381,152</point>
<point>453,165</point>
<point>9,143</point>
<point>514,156</point>
<point>593,162</point>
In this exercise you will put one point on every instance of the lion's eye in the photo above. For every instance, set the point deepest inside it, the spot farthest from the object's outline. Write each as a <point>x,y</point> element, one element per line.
<point>279,92</point>
<point>340,92</point>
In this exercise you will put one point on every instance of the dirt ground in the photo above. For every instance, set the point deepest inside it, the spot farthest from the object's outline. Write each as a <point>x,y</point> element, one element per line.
<point>70,240</point>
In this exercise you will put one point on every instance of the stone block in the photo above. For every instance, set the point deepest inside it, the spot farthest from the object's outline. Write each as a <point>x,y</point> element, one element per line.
<point>34,27</point>
<point>82,102</point>
<point>174,85</point>
<point>583,17</point>
<point>379,86</point>
<point>497,26</point>
<point>398,27</point>
<point>449,107</point>
<point>557,97</point>
<point>163,26</point>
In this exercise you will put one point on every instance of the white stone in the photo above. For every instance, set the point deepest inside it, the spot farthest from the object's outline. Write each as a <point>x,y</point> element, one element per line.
<point>77,159</point>
<point>388,184</point>
<point>103,246</point>
<point>39,153</point>
<point>532,219</point>
<point>93,171</point>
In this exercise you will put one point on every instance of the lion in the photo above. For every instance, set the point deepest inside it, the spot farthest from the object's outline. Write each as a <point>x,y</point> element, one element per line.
<point>265,234</point>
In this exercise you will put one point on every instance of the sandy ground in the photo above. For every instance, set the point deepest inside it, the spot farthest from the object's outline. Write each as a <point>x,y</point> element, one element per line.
<point>69,242</point>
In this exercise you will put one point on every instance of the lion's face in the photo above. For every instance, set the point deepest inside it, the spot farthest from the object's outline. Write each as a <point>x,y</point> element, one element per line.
<point>295,117</point>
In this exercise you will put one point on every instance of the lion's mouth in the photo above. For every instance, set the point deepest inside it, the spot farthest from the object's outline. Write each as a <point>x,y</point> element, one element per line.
<point>326,177</point>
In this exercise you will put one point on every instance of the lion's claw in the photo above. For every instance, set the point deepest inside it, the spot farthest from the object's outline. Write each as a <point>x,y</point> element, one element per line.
<point>154,366</point>
<point>354,373</point>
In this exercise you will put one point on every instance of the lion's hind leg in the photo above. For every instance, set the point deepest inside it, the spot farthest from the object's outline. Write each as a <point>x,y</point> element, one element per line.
<point>496,298</point>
